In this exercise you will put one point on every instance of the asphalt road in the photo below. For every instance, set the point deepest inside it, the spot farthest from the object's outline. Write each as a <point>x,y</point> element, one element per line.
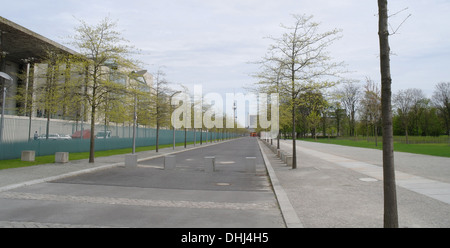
<point>150,196</point>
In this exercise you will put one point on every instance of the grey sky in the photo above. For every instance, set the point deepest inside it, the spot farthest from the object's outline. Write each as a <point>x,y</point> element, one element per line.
<point>210,42</point>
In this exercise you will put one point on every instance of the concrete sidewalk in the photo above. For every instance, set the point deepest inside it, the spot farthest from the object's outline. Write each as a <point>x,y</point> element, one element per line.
<point>339,186</point>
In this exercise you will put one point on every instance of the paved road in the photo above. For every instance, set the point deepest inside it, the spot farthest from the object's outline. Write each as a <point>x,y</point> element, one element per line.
<point>149,196</point>
<point>339,186</point>
<point>334,186</point>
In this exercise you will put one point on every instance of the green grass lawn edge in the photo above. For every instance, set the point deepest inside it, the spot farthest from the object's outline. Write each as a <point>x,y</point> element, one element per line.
<point>433,149</point>
<point>50,159</point>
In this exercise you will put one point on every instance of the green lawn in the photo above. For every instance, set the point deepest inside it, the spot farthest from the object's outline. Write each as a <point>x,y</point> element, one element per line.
<point>435,149</point>
<point>15,163</point>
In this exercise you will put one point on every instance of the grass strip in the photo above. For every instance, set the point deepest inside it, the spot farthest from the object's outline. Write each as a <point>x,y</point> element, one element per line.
<point>434,149</point>
<point>50,159</point>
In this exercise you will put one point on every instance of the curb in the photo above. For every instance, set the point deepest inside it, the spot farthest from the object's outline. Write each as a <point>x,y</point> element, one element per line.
<point>287,210</point>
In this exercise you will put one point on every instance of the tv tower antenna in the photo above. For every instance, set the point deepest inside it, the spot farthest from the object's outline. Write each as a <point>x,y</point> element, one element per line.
<point>234,110</point>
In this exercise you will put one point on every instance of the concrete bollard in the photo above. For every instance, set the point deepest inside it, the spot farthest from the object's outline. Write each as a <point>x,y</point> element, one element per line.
<point>170,162</point>
<point>279,153</point>
<point>210,164</point>
<point>131,160</point>
<point>28,156</point>
<point>61,157</point>
<point>274,149</point>
<point>288,160</point>
<point>250,164</point>
<point>282,155</point>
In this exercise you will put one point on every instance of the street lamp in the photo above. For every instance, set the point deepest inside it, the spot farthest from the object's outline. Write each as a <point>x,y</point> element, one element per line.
<point>171,120</point>
<point>138,73</point>
<point>6,77</point>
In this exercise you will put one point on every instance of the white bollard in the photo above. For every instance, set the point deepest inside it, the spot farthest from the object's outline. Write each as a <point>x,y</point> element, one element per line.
<point>170,162</point>
<point>28,156</point>
<point>131,160</point>
<point>210,164</point>
<point>288,160</point>
<point>61,157</point>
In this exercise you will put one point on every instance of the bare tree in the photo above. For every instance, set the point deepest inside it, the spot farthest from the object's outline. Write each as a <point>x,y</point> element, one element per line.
<point>270,80</point>
<point>302,57</point>
<point>162,103</point>
<point>350,94</point>
<point>405,102</point>
<point>441,99</point>
<point>371,106</point>
<point>389,187</point>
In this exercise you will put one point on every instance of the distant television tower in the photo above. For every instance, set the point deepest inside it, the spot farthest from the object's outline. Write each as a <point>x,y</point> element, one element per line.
<point>235,115</point>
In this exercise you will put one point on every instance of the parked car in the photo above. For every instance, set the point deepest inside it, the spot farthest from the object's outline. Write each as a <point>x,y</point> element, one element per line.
<point>103,135</point>
<point>86,134</point>
<point>54,136</point>
<point>65,136</point>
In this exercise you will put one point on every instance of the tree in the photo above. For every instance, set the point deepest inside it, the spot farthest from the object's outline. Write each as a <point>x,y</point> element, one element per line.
<point>312,103</point>
<point>419,108</point>
<point>271,78</point>
<point>441,99</point>
<point>99,45</point>
<point>429,122</point>
<point>49,90</point>
<point>406,101</point>
<point>162,103</point>
<point>371,106</point>
<point>303,60</point>
<point>339,114</point>
<point>350,94</point>
<point>389,187</point>
<point>313,120</point>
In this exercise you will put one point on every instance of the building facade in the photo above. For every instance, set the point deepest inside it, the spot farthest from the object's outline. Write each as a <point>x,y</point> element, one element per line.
<point>24,55</point>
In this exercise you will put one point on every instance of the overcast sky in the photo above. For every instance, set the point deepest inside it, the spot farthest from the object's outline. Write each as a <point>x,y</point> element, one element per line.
<point>211,42</point>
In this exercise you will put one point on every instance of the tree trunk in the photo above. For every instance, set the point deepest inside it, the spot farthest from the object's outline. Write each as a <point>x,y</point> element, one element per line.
<point>389,187</point>
<point>278,139</point>
<point>406,135</point>
<point>157,136</point>
<point>376,135</point>
<point>92,137</point>
<point>294,153</point>
<point>47,127</point>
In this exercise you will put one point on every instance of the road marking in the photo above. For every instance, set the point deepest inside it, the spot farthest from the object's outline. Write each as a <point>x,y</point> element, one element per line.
<point>223,184</point>
<point>226,162</point>
<point>368,179</point>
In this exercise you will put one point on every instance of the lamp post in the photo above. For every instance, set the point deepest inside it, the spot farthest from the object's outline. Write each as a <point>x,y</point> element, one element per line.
<point>171,118</point>
<point>6,77</point>
<point>138,73</point>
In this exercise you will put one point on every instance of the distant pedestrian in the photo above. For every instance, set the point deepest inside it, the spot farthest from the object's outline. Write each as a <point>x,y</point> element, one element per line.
<point>36,135</point>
